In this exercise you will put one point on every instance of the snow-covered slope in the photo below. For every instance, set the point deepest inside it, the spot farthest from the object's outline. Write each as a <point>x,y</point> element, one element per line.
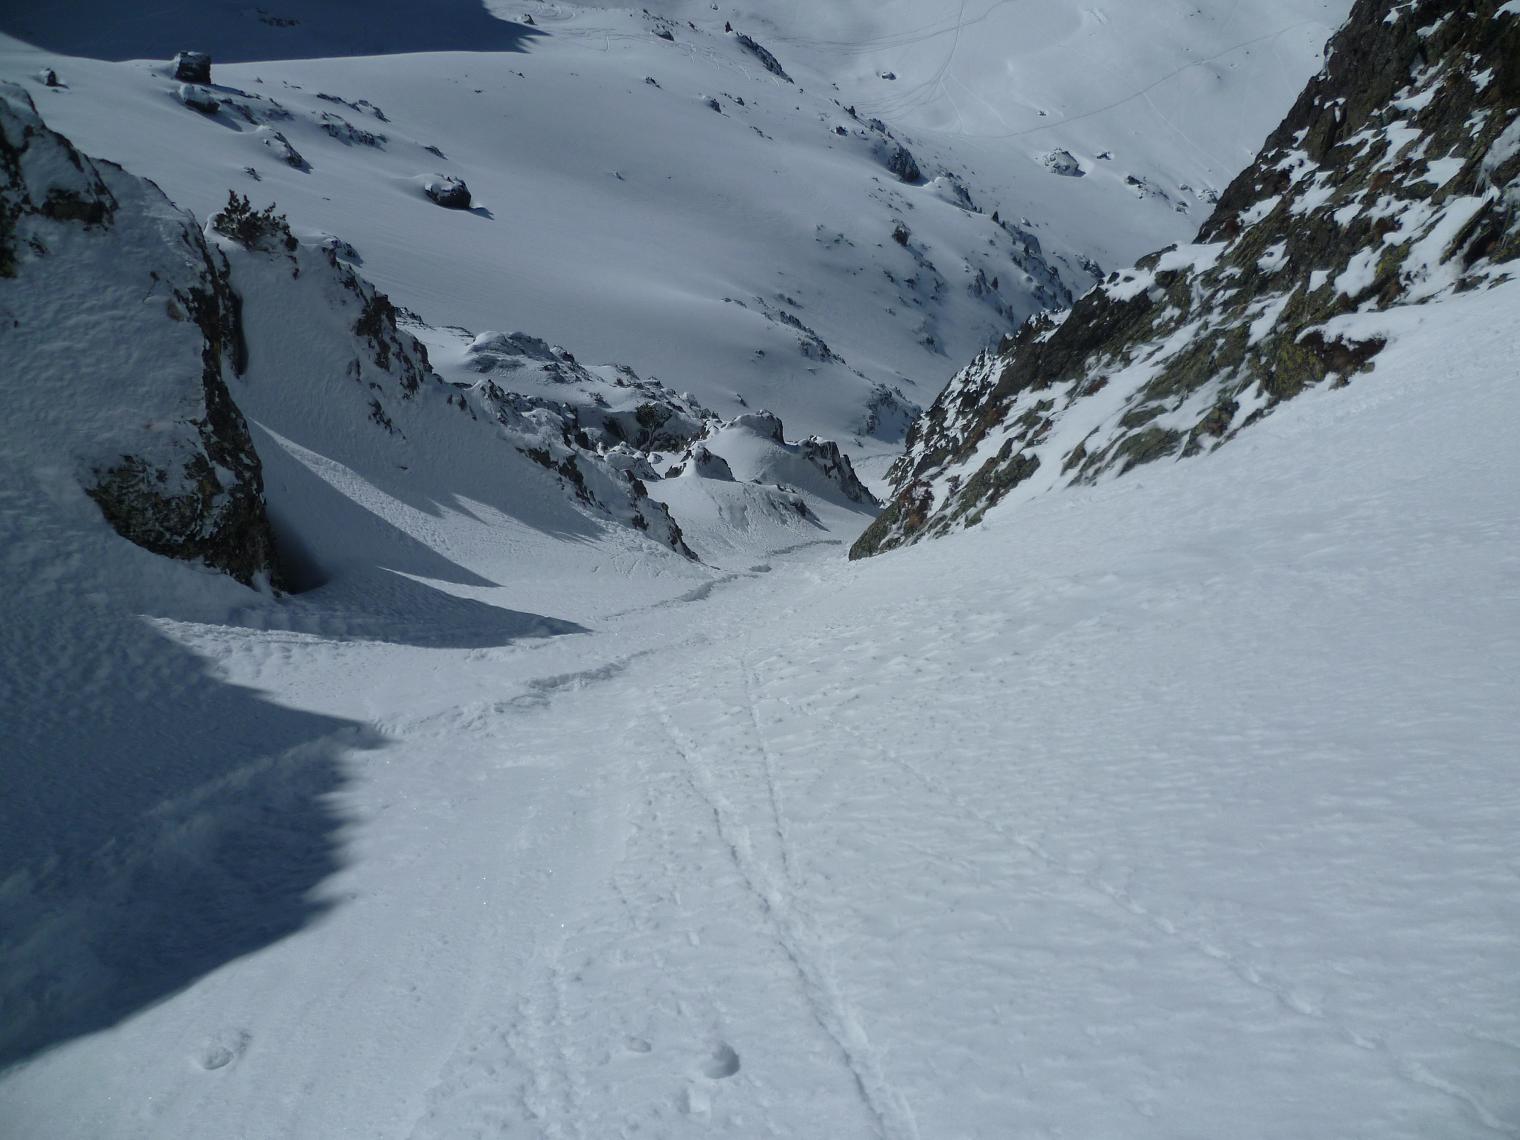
<point>1181,805</point>
<point>1177,806</point>
<point>1395,180</point>
<point>744,253</point>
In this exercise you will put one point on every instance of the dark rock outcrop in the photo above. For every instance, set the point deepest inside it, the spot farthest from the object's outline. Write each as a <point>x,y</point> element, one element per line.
<point>163,450</point>
<point>192,67</point>
<point>835,465</point>
<point>450,193</point>
<point>900,161</point>
<point>1394,180</point>
<point>767,60</point>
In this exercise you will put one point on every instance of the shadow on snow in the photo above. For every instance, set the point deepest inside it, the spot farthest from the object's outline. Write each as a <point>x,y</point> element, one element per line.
<point>160,823</point>
<point>233,31</point>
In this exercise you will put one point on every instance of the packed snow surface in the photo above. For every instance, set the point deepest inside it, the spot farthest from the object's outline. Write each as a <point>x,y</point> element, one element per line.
<point>1182,806</point>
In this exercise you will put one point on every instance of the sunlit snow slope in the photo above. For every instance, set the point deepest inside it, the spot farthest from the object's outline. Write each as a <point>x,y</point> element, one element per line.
<point>746,250</point>
<point>1180,806</point>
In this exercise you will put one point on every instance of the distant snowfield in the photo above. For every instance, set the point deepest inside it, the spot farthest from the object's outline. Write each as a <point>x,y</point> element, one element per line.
<point>630,222</point>
<point>1181,806</point>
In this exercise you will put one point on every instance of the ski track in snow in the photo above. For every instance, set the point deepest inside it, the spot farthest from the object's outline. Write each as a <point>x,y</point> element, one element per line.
<point>833,1014</point>
<point>1178,807</point>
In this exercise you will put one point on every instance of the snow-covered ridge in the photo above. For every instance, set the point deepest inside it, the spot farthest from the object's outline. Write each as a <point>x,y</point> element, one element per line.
<point>1395,180</point>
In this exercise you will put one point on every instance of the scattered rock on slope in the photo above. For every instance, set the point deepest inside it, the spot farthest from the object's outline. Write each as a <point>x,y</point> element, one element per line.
<point>1394,180</point>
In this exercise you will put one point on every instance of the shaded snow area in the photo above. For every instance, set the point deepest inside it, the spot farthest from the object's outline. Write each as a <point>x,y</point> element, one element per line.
<point>1178,806</point>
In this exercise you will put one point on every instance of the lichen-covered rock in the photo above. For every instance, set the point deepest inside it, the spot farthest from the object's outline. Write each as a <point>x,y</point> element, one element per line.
<point>1394,180</point>
<point>132,395</point>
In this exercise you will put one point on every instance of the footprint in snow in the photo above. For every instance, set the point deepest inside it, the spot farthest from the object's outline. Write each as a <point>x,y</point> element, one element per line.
<point>637,1045</point>
<point>224,1048</point>
<point>723,1062</point>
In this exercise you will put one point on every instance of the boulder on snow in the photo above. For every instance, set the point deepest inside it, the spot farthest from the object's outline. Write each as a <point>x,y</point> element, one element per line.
<point>1062,162</point>
<point>49,78</point>
<point>192,67</point>
<point>449,192</point>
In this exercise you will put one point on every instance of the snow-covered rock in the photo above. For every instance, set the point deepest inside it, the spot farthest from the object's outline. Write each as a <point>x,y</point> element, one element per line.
<point>449,192</point>
<point>198,98</point>
<point>121,335</point>
<point>610,404</point>
<point>700,463</point>
<point>755,448</point>
<point>1062,162</point>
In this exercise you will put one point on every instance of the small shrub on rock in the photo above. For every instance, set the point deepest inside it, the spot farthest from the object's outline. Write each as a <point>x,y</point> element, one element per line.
<point>250,228</point>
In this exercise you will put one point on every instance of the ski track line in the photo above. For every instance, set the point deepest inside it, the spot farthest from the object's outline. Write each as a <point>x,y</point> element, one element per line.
<point>894,1120</point>
<point>1406,1069</point>
<point>768,766</point>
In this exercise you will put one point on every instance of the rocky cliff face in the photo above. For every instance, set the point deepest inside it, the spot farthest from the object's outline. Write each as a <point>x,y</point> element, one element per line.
<point>119,330</point>
<point>1394,180</point>
<point>133,344</point>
